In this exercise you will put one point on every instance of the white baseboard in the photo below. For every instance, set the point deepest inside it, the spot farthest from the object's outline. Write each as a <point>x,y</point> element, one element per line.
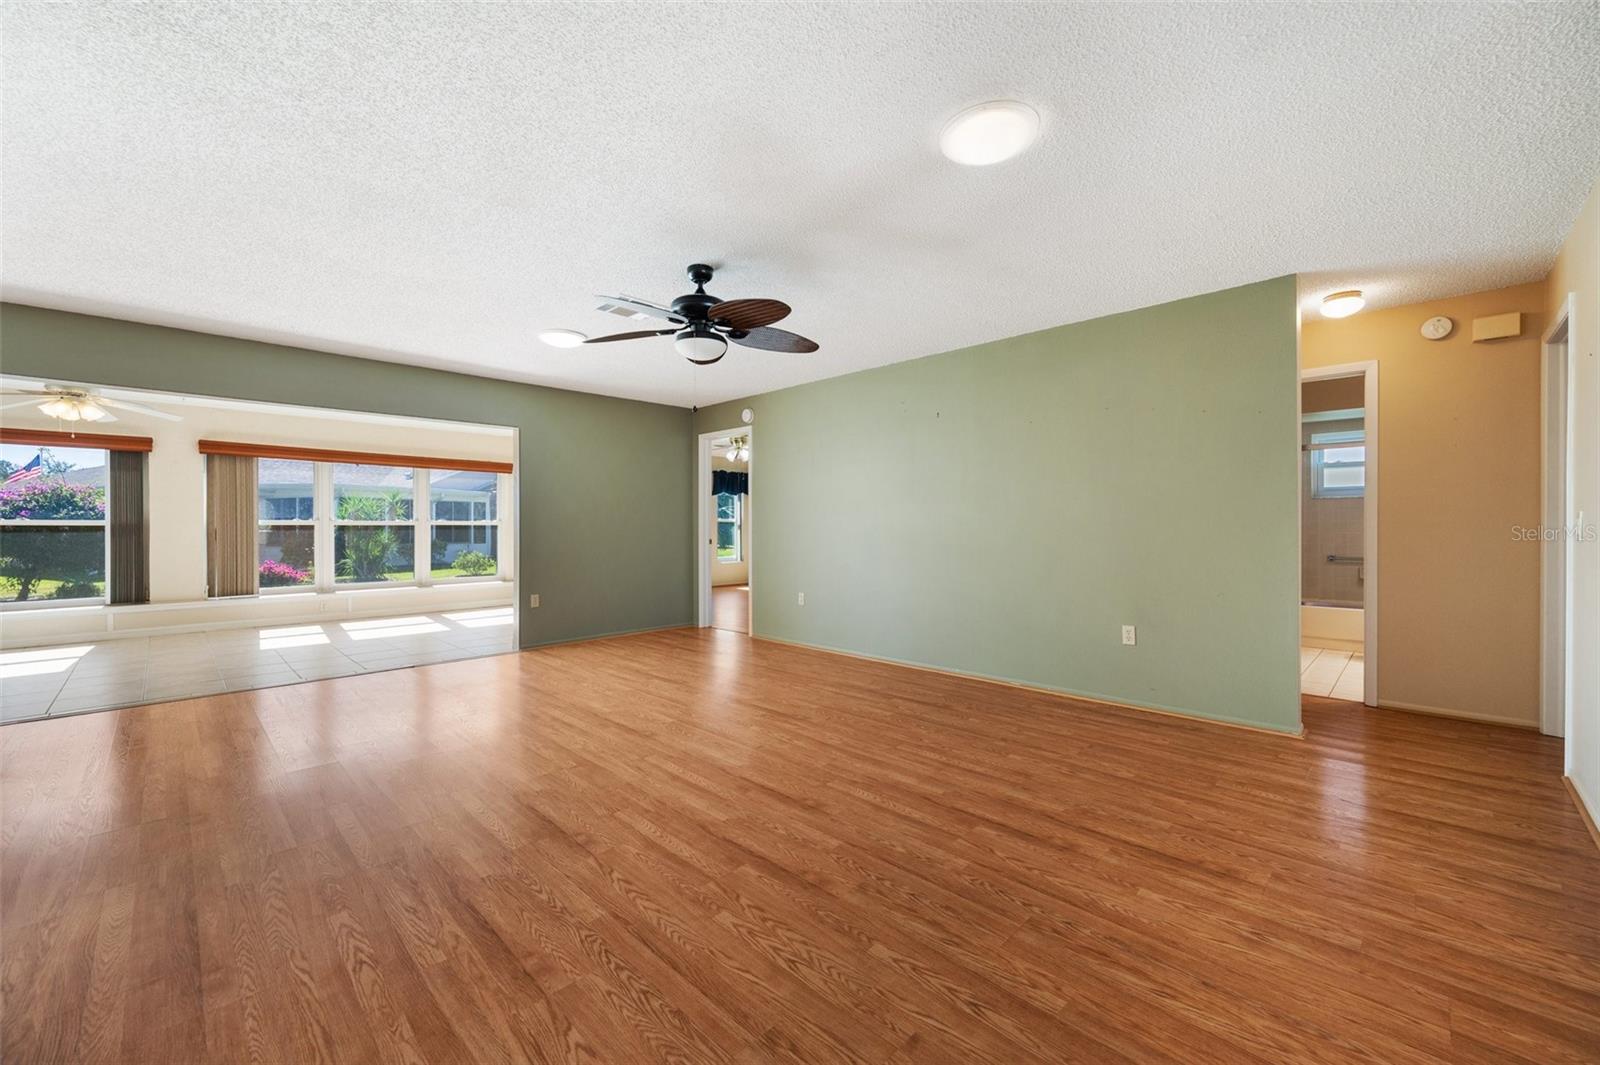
<point>1464,715</point>
<point>1586,808</point>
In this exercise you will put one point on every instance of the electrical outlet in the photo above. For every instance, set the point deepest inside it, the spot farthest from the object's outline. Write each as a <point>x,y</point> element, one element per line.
<point>1128,635</point>
<point>802,598</point>
<point>533,600</point>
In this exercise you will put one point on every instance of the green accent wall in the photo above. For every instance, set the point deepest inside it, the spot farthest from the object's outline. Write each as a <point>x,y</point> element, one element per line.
<point>1003,510</point>
<point>605,516</point>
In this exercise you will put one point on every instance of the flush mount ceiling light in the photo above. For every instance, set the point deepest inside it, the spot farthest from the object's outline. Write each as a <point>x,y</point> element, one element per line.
<point>989,133</point>
<point>1342,304</point>
<point>562,338</point>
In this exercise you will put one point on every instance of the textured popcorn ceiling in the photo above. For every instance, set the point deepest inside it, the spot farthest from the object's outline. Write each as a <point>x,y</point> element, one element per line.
<point>435,183</point>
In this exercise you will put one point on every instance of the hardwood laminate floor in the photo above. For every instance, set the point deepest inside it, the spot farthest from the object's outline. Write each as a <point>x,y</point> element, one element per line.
<point>730,607</point>
<point>691,846</point>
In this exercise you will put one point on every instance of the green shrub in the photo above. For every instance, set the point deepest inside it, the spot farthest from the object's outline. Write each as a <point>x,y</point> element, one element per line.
<point>474,563</point>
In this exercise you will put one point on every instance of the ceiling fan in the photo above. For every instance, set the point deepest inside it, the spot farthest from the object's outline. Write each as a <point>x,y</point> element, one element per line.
<point>702,324</point>
<point>78,404</point>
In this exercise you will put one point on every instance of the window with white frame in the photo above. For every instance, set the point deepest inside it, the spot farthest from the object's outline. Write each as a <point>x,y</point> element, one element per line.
<point>286,522</point>
<point>729,547</point>
<point>374,523</point>
<point>1338,464</point>
<point>464,516</point>
<point>323,525</point>
<point>53,545</point>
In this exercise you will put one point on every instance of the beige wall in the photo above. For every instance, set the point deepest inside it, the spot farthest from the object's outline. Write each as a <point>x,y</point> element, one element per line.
<point>1577,271</point>
<point>1458,467</point>
<point>1339,393</point>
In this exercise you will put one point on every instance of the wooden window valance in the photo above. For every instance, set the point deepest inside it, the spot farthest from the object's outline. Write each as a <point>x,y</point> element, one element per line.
<point>54,438</point>
<point>363,458</point>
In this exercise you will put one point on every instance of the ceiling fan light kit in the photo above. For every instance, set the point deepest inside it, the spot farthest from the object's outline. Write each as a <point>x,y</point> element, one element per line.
<point>702,325</point>
<point>71,409</point>
<point>78,405</point>
<point>700,345</point>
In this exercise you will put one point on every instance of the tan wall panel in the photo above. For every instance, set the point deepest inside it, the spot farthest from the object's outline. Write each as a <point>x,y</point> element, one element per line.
<point>1459,453</point>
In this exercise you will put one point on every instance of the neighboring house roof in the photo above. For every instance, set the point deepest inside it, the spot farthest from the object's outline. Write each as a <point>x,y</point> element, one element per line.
<point>95,475</point>
<point>290,472</point>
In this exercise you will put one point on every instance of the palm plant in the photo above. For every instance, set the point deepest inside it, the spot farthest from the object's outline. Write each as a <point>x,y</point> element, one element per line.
<point>365,550</point>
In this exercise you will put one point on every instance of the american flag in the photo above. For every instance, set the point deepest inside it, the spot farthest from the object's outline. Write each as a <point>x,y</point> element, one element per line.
<point>33,469</point>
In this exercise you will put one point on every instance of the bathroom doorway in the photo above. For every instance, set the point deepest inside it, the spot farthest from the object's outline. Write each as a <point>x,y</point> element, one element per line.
<point>1339,532</point>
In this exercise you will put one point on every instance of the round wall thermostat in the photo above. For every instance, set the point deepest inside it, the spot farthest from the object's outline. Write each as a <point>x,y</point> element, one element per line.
<point>747,415</point>
<point>1437,328</point>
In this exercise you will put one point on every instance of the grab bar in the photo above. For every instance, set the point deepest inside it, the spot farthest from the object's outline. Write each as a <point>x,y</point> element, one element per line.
<point>1353,560</point>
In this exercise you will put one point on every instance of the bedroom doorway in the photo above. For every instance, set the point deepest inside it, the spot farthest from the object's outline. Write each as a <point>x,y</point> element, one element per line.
<point>724,563</point>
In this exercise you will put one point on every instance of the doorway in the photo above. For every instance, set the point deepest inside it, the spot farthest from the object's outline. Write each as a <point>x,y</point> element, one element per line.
<point>724,562</point>
<point>1339,532</point>
<point>1555,540</point>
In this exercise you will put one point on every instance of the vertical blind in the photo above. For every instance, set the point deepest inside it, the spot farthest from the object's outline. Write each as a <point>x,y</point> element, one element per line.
<point>130,531</point>
<point>230,525</point>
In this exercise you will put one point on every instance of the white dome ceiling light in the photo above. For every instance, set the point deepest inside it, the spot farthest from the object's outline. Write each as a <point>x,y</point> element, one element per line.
<point>562,338</point>
<point>700,344</point>
<point>1343,304</point>
<point>990,133</point>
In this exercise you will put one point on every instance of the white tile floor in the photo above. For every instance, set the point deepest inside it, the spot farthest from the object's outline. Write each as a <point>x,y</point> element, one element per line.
<point>1335,674</point>
<point>75,678</point>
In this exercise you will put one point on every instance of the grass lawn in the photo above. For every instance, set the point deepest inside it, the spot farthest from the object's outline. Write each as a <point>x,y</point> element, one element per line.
<point>438,575</point>
<point>40,590</point>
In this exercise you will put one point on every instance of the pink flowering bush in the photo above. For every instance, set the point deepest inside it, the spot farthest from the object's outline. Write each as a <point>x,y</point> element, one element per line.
<point>61,561</point>
<point>276,574</point>
<point>46,500</point>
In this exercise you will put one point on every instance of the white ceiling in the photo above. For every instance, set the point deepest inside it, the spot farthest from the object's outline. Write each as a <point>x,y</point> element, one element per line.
<point>434,183</point>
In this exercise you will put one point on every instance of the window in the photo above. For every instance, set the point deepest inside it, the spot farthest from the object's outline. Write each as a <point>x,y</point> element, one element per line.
<point>729,549</point>
<point>1338,472</point>
<point>463,508</point>
<point>286,535</point>
<point>374,523</point>
<point>52,524</point>
<point>323,525</point>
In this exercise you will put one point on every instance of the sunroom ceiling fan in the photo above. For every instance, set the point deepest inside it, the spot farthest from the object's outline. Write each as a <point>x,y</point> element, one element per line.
<point>78,404</point>
<point>702,324</point>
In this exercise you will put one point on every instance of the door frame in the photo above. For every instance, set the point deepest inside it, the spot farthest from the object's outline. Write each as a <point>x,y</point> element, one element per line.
<point>1557,399</point>
<point>1368,372</point>
<point>703,538</point>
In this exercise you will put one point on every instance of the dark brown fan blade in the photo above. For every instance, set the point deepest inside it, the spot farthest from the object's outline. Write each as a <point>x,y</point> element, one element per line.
<point>749,314</point>
<point>775,340</point>
<point>631,336</point>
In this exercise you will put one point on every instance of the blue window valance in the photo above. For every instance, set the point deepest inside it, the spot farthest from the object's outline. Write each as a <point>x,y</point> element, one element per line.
<point>734,482</point>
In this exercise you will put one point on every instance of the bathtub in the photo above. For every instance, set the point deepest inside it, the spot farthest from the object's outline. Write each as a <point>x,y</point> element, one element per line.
<point>1342,628</point>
